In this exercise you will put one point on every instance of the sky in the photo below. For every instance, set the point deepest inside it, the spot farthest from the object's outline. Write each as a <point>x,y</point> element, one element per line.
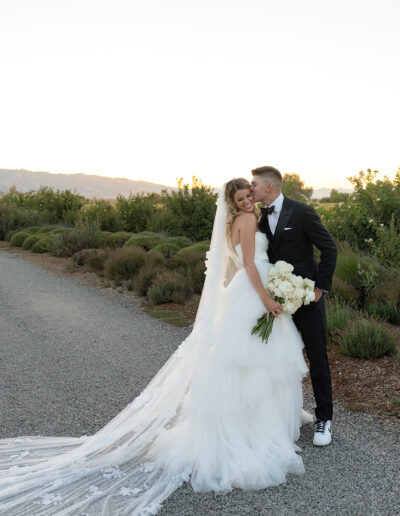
<point>157,90</point>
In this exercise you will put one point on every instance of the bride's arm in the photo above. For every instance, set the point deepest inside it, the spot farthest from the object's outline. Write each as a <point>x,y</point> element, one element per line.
<point>247,229</point>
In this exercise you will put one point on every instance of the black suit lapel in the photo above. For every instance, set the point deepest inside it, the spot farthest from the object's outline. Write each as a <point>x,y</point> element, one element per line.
<point>284,218</point>
<point>264,226</point>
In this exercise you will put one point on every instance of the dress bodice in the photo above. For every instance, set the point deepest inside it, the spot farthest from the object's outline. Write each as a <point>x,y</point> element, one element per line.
<point>261,246</point>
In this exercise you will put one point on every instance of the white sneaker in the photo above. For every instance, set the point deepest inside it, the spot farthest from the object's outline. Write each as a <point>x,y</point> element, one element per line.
<point>322,433</point>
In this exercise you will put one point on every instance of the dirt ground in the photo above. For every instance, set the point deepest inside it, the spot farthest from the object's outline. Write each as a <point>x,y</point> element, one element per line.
<point>371,386</point>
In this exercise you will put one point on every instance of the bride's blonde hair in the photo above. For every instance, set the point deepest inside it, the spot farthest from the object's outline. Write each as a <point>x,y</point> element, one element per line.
<point>232,211</point>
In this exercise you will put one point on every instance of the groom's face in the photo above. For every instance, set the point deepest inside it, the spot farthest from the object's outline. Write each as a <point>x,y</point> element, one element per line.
<point>259,189</point>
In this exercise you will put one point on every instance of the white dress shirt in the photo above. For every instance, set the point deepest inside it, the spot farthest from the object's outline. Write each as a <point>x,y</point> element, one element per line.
<point>273,218</point>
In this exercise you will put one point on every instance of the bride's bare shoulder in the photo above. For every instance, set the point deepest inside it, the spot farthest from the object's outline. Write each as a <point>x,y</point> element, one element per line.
<point>246,219</point>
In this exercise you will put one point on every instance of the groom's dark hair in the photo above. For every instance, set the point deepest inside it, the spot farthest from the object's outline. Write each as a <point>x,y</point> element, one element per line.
<point>269,175</point>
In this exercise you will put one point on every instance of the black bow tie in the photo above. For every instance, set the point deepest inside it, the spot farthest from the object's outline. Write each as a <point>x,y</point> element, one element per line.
<point>268,210</point>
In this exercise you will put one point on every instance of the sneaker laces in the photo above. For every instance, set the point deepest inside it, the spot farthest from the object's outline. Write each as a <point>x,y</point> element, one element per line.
<point>320,426</point>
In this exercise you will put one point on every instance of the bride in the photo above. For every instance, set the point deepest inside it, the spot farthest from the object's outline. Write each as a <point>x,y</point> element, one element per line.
<point>223,412</point>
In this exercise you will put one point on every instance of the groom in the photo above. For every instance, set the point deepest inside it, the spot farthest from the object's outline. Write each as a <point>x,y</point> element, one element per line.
<point>292,228</point>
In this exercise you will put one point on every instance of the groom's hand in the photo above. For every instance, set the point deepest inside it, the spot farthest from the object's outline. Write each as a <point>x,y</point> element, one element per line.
<point>318,294</point>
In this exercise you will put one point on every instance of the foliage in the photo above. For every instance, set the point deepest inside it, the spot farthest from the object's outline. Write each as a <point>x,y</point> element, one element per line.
<point>136,213</point>
<point>188,212</point>
<point>82,256</point>
<point>366,337</point>
<point>101,213</point>
<point>145,277</point>
<point>336,196</point>
<point>389,312</point>
<point>155,257</point>
<point>18,238</point>
<point>294,188</point>
<point>169,286</point>
<point>146,241</point>
<point>84,236</point>
<point>14,217</point>
<point>196,277</point>
<point>337,316</point>
<point>369,219</point>
<point>31,241</point>
<point>361,271</point>
<point>180,241</point>
<point>188,257</point>
<point>96,262</point>
<point>117,239</point>
<point>168,249</point>
<point>54,206</point>
<point>124,263</point>
<point>42,246</point>
<point>343,292</point>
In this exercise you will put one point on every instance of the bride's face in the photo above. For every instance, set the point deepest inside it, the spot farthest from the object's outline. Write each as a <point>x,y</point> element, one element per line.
<point>244,200</point>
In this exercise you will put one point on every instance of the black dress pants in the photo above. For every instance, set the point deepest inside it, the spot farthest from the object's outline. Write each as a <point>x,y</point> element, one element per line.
<point>310,320</point>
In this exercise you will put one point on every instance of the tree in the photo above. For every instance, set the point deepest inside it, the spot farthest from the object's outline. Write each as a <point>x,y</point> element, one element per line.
<point>295,188</point>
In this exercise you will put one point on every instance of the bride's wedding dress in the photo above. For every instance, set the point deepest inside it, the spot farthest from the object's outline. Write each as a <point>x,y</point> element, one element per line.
<point>223,412</point>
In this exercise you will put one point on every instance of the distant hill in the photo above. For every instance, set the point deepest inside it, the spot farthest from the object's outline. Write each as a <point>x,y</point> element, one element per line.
<point>85,184</point>
<point>326,192</point>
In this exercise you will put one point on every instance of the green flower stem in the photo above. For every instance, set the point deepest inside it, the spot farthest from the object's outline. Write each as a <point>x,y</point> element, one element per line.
<point>263,327</point>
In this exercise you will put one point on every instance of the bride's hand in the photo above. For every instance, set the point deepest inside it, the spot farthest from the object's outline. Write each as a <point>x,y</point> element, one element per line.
<point>272,306</point>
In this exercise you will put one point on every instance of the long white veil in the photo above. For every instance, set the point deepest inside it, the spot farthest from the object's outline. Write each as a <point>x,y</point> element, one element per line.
<point>116,471</point>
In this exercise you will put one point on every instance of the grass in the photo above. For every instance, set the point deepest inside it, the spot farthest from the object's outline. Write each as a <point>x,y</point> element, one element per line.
<point>168,316</point>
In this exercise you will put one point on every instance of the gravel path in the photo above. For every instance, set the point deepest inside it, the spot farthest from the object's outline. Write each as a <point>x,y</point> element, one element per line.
<point>71,357</point>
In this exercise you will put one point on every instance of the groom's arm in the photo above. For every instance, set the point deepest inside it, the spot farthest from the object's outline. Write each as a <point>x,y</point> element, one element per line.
<point>322,239</point>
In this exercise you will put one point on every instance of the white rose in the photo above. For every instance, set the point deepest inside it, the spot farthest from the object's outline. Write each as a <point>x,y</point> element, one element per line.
<point>309,297</point>
<point>286,287</point>
<point>297,281</point>
<point>308,284</point>
<point>290,307</point>
<point>299,293</point>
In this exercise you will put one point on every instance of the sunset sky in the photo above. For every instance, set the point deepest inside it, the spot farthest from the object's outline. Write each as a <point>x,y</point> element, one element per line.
<point>160,89</point>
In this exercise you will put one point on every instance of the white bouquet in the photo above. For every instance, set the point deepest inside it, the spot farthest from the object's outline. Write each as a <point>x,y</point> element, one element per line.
<point>289,290</point>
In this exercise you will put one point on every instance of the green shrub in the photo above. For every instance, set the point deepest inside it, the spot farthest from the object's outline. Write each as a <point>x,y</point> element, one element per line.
<point>343,292</point>
<point>70,242</point>
<point>389,312</point>
<point>337,316</point>
<point>136,212</point>
<point>18,239</point>
<point>188,212</point>
<point>188,257</point>
<point>169,286</point>
<point>42,246</point>
<point>32,229</point>
<point>82,256</point>
<point>124,263</point>
<point>144,241</point>
<point>102,214</point>
<point>180,241</point>
<point>117,239</point>
<point>155,257</point>
<point>10,234</point>
<point>17,217</point>
<point>201,246</point>
<point>52,229</point>
<point>168,249</point>
<point>365,337</point>
<point>31,241</point>
<point>196,277</point>
<point>347,264</point>
<point>388,291</point>
<point>97,261</point>
<point>145,277</point>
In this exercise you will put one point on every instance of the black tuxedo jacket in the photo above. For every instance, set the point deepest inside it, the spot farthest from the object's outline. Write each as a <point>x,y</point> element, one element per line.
<point>298,228</point>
